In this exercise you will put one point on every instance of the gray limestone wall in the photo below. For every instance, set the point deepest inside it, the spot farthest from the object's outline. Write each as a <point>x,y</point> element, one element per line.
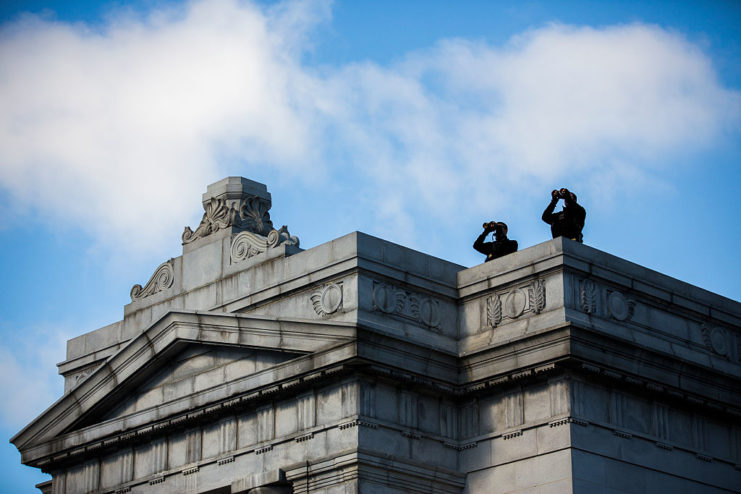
<point>329,282</point>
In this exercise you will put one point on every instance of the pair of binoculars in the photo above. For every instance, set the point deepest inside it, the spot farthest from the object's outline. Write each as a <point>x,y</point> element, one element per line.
<point>562,193</point>
<point>496,226</point>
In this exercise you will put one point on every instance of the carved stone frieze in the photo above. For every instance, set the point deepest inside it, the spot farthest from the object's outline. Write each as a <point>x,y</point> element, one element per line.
<point>716,340</point>
<point>394,300</point>
<point>249,244</point>
<point>515,303</point>
<point>162,279</point>
<point>327,300</point>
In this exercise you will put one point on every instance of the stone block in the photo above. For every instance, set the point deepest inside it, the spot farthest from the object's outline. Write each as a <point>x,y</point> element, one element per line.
<point>149,399</point>
<point>553,438</point>
<point>286,418</point>
<point>537,403</point>
<point>623,477</point>
<point>202,266</point>
<point>524,445</point>
<point>246,430</point>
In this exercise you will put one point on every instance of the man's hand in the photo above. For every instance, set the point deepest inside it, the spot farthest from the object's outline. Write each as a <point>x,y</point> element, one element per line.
<point>554,195</point>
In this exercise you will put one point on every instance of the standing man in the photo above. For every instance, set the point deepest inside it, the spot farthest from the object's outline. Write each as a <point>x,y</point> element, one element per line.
<point>501,245</point>
<point>570,220</point>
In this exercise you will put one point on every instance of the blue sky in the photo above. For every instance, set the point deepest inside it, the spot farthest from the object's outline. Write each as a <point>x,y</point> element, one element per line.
<point>412,121</point>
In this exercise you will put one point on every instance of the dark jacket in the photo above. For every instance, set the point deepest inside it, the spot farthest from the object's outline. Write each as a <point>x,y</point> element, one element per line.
<point>566,223</point>
<point>495,249</point>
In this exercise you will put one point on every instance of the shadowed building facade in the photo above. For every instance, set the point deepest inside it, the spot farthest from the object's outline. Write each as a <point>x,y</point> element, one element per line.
<point>249,365</point>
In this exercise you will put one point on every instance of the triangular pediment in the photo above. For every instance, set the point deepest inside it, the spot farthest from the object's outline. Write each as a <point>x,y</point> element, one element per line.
<point>218,354</point>
<point>195,371</point>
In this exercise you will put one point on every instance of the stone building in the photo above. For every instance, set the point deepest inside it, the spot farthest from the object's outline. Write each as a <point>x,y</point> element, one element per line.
<point>249,365</point>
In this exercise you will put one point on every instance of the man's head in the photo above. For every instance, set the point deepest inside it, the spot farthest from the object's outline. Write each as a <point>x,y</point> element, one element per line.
<point>500,232</point>
<point>566,193</point>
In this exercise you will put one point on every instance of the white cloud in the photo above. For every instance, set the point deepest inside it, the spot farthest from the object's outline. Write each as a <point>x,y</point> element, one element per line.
<point>135,118</point>
<point>121,130</point>
<point>28,362</point>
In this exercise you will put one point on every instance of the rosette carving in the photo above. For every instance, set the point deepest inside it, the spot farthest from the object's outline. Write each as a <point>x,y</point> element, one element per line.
<point>254,215</point>
<point>388,298</point>
<point>425,309</point>
<point>248,244</point>
<point>327,300</point>
<point>162,279</point>
<point>620,307</point>
<point>716,340</point>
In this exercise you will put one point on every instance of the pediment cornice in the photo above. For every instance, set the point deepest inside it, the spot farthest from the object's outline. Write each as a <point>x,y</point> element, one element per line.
<point>146,352</point>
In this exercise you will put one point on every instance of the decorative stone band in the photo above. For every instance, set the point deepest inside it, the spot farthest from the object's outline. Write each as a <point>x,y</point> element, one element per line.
<point>249,244</point>
<point>251,215</point>
<point>162,279</point>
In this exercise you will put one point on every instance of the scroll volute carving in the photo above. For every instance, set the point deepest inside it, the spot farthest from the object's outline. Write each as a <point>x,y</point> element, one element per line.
<point>248,244</point>
<point>162,279</point>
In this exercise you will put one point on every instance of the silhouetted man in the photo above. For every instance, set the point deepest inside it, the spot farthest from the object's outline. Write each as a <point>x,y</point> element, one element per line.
<point>570,220</point>
<point>501,245</point>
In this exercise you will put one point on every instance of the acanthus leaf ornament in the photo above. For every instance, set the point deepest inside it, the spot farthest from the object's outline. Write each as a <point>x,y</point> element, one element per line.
<point>536,294</point>
<point>162,279</point>
<point>493,311</point>
<point>588,297</point>
<point>251,215</point>
<point>218,215</point>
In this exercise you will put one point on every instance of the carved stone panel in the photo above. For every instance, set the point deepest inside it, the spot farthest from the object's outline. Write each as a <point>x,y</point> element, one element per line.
<point>327,299</point>
<point>619,307</point>
<point>515,303</point>
<point>588,296</point>
<point>394,300</point>
<point>716,340</point>
<point>602,301</point>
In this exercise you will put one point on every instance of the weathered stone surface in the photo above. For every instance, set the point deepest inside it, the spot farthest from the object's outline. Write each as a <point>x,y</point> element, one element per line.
<point>363,366</point>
